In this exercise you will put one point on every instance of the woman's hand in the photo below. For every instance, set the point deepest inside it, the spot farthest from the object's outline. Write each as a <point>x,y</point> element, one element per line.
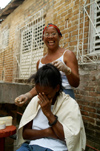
<point>70,67</point>
<point>62,67</point>
<point>45,103</point>
<point>22,99</point>
<point>51,133</point>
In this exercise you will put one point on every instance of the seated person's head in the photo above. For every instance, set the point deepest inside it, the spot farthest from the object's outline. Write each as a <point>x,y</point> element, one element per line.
<point>48,80</point>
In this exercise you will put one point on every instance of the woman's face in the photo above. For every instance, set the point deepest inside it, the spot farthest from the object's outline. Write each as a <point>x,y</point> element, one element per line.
<point>51,38</point>
<point>48,91</point>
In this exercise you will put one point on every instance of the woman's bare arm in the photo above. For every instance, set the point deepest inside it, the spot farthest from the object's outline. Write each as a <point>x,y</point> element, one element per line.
<point>71,61</point>
<point>22,99</point>
<point>32,134</point>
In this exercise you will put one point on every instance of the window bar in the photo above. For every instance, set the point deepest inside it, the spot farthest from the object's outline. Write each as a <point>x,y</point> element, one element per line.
<point>92,22</point>
<point>30,70</point>
<point>78,34</point>
<point>83,35</point>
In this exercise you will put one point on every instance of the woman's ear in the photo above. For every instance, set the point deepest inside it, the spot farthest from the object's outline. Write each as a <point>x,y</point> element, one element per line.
<point>57,88</point>
<point>60,37</point>
<point>43,37</point>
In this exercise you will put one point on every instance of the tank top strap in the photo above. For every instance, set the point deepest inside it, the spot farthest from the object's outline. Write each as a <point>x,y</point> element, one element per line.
<point>40,63</point>
<point>62,57</point>
<point>64,52</point>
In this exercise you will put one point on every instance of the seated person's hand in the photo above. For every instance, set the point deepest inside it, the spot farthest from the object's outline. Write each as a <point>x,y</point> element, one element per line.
<point>62,67</point>
<point>21,100</point>
<point>50,133</point>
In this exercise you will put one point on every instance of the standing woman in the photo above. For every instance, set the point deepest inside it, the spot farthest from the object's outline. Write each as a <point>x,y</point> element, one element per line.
<point>64,60</point>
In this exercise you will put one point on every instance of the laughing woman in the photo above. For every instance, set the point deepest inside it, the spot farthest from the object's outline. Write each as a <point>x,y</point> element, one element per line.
<point>63,59</point>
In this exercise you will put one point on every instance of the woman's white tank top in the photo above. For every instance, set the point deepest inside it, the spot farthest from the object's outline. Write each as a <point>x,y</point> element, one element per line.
<point>65,82</point>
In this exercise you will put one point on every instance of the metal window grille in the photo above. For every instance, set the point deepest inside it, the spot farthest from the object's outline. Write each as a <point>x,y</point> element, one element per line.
<point>26,39</point>
<point>5,37</point>
<point>95,34</point>
<point>88,49</point>
<point>96,46</point>
<point>31,49</point>
<point>0,41</point>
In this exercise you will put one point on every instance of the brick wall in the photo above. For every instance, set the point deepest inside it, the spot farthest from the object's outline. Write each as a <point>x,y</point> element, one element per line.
<point>88,97</point>
<point>65,14</point>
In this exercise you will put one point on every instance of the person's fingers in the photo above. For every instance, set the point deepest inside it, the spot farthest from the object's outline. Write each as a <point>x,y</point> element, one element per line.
<point>40,96</point>
<point>55,63</point>
<point>40,102</point>
<point>20,101</point>
<point>45,98</point>
<point>40,99</point>
<point>16,100</point>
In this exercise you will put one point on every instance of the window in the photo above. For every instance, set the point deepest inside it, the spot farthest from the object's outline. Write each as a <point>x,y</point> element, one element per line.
<point>5,37</point>
<point>97,22</point>
<point>0,41</point>
<point>95,30</point>
<point>26,39</point>
<point>88,45</point>
<point>31,45</point>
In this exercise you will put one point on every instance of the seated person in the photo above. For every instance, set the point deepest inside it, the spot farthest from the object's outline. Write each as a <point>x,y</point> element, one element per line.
<point>52,120</point>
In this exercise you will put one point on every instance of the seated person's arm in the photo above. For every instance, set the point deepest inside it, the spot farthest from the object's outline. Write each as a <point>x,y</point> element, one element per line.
<point>55,131</point>
<point>57,128</point>
<point>32,134</point>
<point>46,109</point>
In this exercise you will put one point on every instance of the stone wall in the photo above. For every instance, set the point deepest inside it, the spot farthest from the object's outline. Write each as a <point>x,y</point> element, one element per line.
<point>9,91</point>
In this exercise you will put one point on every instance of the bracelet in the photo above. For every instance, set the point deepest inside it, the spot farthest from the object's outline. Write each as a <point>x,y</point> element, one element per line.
<point>54,121</point>
<point>69,71</point>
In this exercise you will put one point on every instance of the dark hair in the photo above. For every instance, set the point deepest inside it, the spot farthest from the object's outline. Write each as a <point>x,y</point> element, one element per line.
<point>48,75</point>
